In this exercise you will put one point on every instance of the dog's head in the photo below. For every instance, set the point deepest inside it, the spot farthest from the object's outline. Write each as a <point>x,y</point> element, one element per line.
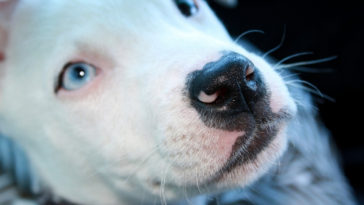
<point>125,100</point>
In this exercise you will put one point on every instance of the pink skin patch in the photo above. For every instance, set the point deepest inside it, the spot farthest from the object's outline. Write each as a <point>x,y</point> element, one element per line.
<point>226,141</point>
<point>2,57</point>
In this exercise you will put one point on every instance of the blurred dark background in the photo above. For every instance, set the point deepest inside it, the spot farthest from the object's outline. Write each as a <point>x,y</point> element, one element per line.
<point>326,29</point>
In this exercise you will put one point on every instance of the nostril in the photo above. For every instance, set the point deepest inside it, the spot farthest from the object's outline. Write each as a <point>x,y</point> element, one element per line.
<point>249,73</point>
<point>226,93</point>
<point>250,78</point>
<point>230,85</point>
<point>208,99</point>
<point>217,97</point>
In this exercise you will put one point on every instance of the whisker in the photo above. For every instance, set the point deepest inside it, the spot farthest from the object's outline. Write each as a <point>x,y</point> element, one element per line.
<point>326,97</point>
<point>278,46</point>
<point>290,76</point>
<point>246,33</point>
<point>292,65</point>
<point>299,103</point>
<point>298,82</point>
<point>197,183</point>
<point>314,90</point>
<point>291,57</point>
<point>162,194</point>
<point>312,70</point>
<point>138,166</point>
<point>189,202</point>
<point>143,162</point>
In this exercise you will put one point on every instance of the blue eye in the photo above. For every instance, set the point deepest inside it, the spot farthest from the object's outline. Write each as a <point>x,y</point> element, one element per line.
<point>76,75</point>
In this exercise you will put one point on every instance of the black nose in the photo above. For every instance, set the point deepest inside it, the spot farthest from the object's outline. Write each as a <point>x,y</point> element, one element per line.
<point>229,86</point>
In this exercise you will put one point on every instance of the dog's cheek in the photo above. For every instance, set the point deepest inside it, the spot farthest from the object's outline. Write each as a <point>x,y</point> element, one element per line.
<point>280,98</point>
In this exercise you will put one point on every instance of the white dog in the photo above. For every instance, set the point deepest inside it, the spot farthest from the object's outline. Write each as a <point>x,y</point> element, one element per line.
<point>151,101</point>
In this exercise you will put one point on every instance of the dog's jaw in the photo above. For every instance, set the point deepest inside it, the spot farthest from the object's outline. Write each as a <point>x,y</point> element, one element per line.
<point>135,132</point>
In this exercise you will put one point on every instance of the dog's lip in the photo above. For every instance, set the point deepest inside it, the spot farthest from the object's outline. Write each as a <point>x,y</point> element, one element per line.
<point>267,124</point>
<point>233,162</point>
<point>227,140</point>
<point>268,127</point>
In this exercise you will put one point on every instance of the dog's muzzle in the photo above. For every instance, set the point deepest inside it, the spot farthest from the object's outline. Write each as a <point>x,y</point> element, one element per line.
<point>225,92</point>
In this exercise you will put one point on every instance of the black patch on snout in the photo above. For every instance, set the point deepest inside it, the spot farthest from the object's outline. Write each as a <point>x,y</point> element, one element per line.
<point>256,118</point>
<point>235,107</point>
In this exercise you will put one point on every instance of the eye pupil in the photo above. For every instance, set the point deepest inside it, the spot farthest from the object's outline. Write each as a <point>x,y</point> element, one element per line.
<point>187,7</point>
<point>79,73</point>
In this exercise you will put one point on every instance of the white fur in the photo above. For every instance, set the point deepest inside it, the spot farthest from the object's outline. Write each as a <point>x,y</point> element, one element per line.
<point>114,140</point>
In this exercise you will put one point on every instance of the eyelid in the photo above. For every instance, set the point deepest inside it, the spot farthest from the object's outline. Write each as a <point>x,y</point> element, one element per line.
<point>58,84</point>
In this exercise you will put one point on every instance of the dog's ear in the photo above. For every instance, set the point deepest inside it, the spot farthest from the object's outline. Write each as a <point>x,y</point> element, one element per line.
<point>7,8</point>
<point>228,3</point>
